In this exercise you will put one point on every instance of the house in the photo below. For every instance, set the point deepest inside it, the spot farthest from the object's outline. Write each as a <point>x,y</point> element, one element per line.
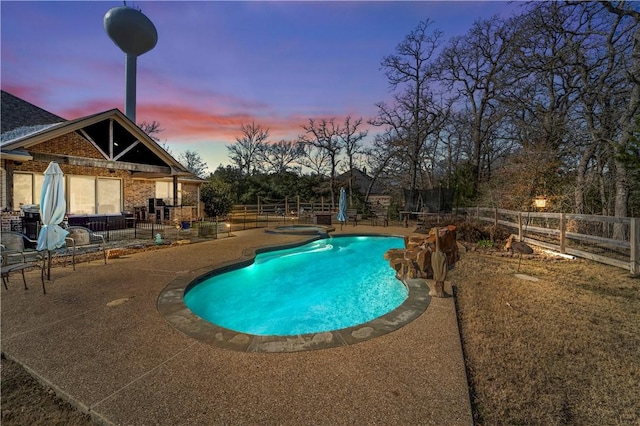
<point>360,182</point>
<point>111,167</point>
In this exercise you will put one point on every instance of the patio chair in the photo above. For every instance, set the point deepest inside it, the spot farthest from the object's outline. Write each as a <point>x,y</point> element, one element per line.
<point>81,238</point>
<point>380,215</point>
<point>352,215</point>
<point>16,257</point>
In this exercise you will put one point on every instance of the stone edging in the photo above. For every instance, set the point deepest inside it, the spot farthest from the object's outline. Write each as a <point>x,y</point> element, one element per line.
<point>172,307</point>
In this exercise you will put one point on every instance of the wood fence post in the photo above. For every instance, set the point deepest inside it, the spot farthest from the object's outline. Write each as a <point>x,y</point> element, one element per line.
<point>562,232</point>
<point>634,242</point>
<point>495,218</point>
<point>520,236</point>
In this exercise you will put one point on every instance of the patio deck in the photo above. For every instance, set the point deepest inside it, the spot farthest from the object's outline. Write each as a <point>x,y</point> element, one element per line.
<point>98,339</point>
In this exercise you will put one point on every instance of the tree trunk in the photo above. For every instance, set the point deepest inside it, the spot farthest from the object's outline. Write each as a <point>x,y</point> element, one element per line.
<point>581,180</point>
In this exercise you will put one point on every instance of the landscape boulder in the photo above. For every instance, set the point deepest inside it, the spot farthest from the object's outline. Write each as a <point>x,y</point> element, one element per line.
<point>415,260</point>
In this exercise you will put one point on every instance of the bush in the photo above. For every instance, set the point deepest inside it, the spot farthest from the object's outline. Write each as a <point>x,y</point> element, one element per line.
<point>473,231</point>
<point>485,244</point>
<point>216,199</point>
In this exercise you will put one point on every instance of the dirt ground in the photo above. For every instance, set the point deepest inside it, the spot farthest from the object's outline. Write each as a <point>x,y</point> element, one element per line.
<point>26,402</point>
<point>557,346</point>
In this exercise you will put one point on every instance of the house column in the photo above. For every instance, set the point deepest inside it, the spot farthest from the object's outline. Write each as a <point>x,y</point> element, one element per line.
<point>175,190</point>
<point>198,203</point>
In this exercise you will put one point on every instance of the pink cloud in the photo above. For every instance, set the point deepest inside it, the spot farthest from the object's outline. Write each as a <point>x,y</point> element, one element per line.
<point>28,93</point>
<point>186,114</point>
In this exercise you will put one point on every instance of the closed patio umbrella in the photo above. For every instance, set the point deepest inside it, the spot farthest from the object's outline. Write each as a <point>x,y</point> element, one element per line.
<point>52,210</point>
<point>342,207</point>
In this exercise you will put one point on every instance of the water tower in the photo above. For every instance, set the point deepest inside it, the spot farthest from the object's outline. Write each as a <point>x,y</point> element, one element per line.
<point>134,34</point>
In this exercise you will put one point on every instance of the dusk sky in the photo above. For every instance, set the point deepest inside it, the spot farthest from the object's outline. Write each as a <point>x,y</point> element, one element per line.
<point>218,65</point>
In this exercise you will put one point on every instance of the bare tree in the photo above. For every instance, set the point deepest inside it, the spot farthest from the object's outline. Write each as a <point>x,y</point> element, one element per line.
<point>325,136</point>
<point>351,140</point>
<point>280,156</point>
<point>247,151</point>
<point>629,115</point>
<point>474,67</point>
<point>415,115</point>
<point>378,157</point>
<point>314,158</point>
<point>152,129</point>
<point>193,162</point>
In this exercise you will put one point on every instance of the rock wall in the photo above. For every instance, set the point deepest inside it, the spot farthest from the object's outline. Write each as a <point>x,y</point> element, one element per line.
<point>414,261</point>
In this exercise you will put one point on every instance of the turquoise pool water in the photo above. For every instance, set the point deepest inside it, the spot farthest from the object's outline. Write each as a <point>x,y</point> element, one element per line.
<point>325,285</point>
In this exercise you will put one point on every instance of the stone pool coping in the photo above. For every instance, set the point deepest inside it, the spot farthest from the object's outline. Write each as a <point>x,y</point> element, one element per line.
<point>171,306</point>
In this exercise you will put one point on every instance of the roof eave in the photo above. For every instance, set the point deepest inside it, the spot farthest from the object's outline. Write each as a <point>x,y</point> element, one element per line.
<point>16,155</point>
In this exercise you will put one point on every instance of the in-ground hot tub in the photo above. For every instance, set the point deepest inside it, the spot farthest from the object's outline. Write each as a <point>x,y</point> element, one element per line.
<point>300,229</point>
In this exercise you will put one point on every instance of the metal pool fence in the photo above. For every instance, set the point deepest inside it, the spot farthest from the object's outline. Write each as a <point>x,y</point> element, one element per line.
<point>206,228</point>
<point>113,231</point>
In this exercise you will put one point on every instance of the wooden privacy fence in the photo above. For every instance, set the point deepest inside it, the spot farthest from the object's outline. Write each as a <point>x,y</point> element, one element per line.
<point>611,240</point>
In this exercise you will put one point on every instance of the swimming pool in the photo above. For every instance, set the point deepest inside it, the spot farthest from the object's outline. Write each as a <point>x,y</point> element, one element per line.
<point>327,284</point>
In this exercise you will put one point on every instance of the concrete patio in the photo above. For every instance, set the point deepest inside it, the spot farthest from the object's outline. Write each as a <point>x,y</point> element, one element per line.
<point>98,339</point>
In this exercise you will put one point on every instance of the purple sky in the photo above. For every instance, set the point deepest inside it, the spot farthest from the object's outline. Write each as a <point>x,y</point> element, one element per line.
<point>218,65</point>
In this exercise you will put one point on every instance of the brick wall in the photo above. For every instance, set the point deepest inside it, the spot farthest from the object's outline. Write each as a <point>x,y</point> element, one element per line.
<point>11,220</point>
<point>69,144</point>
<point>136,192</point>
<point>189,193</point>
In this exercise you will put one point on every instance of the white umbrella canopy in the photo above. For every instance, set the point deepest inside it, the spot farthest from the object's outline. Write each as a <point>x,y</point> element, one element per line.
<point>342,207</point>
<point>53,207</point>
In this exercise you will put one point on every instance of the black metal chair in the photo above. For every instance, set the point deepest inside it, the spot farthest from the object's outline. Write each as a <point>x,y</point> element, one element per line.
<point>16,257</point>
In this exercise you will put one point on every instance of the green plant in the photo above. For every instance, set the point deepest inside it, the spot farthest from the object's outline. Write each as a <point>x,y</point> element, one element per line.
<point>485,244</point>
<point>216,198</point>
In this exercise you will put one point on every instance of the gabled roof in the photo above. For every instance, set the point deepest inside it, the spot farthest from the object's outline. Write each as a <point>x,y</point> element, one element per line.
<point>18,113</point>
<point>131,145</point>
<point>361,181</point>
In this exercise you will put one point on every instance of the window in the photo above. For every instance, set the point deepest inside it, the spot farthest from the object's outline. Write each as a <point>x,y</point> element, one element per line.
<point>109,196</point>
<point>90,195</point>
<point>164,190</point>
<point>85,194</point>
<point>27,188</point>
<point>82,195</point>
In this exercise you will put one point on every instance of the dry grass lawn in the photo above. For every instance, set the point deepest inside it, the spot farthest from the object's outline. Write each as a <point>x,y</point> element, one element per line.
<point>562,350</point>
